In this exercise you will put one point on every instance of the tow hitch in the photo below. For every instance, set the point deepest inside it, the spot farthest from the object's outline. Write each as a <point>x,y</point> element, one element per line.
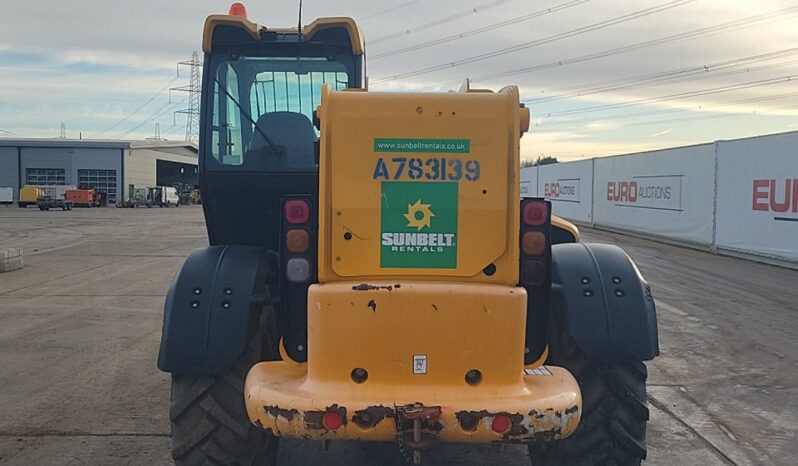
<point>417,427</point>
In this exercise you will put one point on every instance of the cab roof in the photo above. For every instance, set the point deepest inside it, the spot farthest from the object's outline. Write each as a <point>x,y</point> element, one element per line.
<point>309,31</point>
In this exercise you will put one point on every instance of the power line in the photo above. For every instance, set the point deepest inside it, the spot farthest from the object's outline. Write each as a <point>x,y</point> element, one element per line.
<point>682,95</point>
<point>439,21</point>
<point>748,100</point>
<point>138,109</point>
<point>542,41</point>
<point>379,13</point>
<point>158,113</point>
<point>707,117</point>
<point>679,75</point>
<point>474,32</point>
<point>724,27</point>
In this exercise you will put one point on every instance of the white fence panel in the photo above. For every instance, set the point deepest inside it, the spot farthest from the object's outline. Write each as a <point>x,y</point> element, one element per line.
<point>529,182</point>
<point>669,193</point>
<point>569,187</point>
<point>758,196</point>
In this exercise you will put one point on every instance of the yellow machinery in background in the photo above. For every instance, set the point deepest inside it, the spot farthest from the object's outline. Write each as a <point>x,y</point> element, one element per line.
<point>29,195</point>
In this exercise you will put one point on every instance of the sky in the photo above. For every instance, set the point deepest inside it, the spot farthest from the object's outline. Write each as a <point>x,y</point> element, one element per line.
<point>601,77</point>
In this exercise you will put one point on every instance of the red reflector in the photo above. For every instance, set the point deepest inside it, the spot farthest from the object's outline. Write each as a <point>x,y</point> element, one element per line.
<point>297,211</point>
<point>533,272</point>
<point>238,9</point>
<point>535,212</point>
<point>501,423</point>
<point>332,421</point>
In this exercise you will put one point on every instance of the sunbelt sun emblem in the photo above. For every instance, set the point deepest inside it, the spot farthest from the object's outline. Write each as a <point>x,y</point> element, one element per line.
<point>418,225</point>
<point>418,215</point>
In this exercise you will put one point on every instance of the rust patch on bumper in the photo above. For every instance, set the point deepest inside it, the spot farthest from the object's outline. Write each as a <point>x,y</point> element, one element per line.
<point>373,415</point>
<point>276,411</point>
<point>367,287</point>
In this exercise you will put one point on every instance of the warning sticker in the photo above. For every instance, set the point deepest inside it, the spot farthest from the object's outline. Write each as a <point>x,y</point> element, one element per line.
<point>419,364</point>
<point>542,370</point>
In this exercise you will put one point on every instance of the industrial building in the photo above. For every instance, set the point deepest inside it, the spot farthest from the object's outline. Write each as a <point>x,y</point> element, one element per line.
<point>112,167</point>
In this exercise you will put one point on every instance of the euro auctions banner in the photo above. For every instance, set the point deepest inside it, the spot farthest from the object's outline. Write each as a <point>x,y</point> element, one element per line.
<point>758,196</point>
<point>668,193</point>
<point>529,182</point>
<point>569,187</point>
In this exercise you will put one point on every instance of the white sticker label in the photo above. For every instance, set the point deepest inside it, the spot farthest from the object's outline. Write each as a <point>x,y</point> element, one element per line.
<point>542,370</point>
<point>419,364</point>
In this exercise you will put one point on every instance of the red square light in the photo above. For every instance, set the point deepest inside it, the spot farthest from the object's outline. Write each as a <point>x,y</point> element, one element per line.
<point>297,211</point>
<point>535,212</point>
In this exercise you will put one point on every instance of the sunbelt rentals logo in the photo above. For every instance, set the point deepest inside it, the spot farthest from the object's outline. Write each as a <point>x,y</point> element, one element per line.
<point>418,225</point>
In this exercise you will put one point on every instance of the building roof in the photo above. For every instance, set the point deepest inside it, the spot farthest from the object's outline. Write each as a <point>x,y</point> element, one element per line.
<point>94,143</point>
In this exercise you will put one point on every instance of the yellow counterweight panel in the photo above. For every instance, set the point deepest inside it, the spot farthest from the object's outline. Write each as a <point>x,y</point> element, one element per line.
<point>380,327</point>
<point>435,172</point>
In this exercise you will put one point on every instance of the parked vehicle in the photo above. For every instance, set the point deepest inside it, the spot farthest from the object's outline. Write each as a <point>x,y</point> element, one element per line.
<point>29,195</point>
<point>162,196</point>
<point>6,195</point>
<point>82,197</point>
<point>47,203</point>
<point>137,198</point>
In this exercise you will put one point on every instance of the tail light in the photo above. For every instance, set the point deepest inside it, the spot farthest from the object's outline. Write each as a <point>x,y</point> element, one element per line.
<point>535,212</point>
<point>298,270</point>
<point>297,240</point>
<point>535,272</point>
<point>296,211</point>
<point>535,241</point>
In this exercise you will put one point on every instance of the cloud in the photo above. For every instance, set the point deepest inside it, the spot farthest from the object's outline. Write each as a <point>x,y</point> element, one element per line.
<point>600,126</point>
<point>92,62</point>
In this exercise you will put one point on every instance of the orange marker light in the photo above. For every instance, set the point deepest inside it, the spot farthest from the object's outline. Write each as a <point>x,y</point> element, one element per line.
<point>297,240</point>
<point>238,9</point>
<point>534,243</point>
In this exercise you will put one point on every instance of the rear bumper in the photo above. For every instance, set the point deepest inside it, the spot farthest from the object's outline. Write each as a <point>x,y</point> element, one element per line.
<point>415,344</point>
<point>280,398</point>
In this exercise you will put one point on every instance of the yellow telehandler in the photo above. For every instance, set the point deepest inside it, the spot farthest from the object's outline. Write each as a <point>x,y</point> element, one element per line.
<point>374,274</point>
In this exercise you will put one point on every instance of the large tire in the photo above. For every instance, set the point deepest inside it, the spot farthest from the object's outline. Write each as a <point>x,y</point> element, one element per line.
<point>208,416</point>
<point>612,430</point>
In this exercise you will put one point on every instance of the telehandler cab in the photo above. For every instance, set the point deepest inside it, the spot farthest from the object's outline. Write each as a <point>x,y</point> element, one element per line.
<point>374,274</point>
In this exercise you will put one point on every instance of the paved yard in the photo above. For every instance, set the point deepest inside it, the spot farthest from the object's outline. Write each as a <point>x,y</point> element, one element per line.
<point>80,327</point>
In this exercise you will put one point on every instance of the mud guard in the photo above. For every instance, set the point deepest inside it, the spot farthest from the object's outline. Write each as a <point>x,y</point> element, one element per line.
<point>211,308</point>
<point>607,303</point>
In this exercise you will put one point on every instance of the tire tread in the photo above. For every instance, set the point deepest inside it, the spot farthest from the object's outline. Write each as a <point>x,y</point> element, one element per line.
<point>612,430</point>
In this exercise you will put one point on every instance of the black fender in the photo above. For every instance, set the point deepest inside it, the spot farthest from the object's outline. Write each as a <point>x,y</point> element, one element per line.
<point>211,309</point>
<point>607,304</point>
